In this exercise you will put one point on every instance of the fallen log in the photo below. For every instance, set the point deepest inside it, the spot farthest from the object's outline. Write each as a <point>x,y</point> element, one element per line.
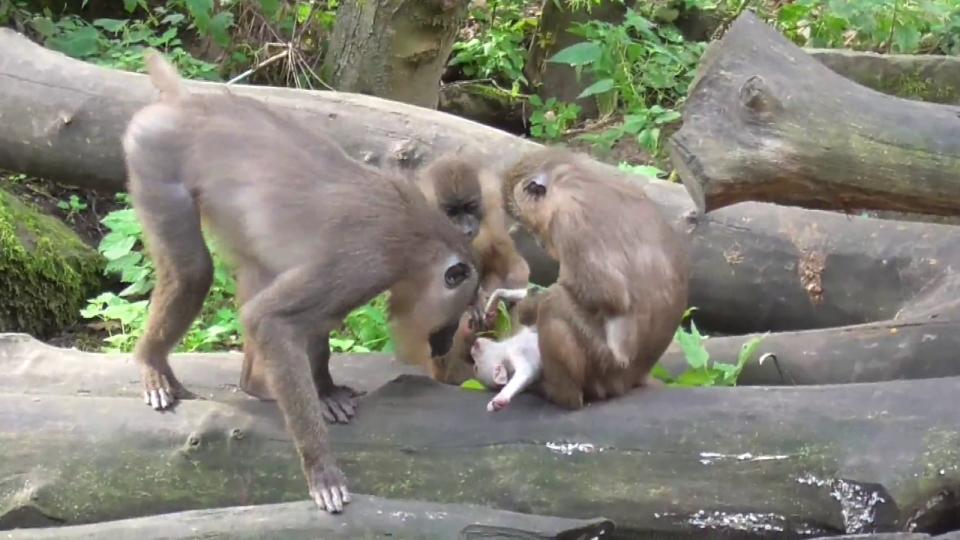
<point>874,352</point>
<point>367,517</point>
<point>767,122</point>
<point>757,267</point>
<point>923,77</point>
<point>752,461</point>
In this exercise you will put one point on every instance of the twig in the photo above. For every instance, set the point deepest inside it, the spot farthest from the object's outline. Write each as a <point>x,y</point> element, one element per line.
<point>252,70</point>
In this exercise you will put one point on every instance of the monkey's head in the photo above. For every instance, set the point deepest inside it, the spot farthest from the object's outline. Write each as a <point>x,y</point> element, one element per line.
<point>439,282</point>
<point>453,185</point>
<point>535,187</point>
<point>489,362</point>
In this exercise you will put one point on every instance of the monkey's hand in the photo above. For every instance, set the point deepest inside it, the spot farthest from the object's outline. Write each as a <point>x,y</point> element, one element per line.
<point>498,403</point>
<point>161,389</point>
<point>339,404</point>
<point>328,485</point>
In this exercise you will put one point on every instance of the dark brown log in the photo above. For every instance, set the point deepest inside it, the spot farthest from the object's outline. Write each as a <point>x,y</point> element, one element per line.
<point>749,462</point>
<point>767,122</point>
<point>394,49</point>
<point>366,517</point>
<point>757,267</point>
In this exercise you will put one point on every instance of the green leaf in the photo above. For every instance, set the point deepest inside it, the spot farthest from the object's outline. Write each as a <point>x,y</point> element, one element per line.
<point>118,248</point>
<point>78,43</point>
<point>200,10</point>
<point>906,39</point>
<point>578,54</point>
<point>661,373</point>
<point>473,384</point>
<point>270,8</point>
<point>130,5</point>
<point>691,343</point>
<point>667,117</point>
<point>649,138</point>
<point>696,377</point>
<point>219,25</point>
<point>43,26</point>
<point>110,25</point>
<point>599,87</point>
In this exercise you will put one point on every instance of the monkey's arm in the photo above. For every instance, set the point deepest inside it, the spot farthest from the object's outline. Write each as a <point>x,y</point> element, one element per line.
<point>525,372</point>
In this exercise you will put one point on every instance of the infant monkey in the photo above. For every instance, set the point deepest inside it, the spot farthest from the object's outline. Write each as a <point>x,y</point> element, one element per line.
<point>511,365</point>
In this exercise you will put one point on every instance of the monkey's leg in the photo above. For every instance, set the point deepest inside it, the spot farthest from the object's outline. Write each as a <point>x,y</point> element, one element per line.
<point>283,318</point>
<point>250,280</point>
<point>184,272</point>
<point>561,356</point>
<point>339,401</point>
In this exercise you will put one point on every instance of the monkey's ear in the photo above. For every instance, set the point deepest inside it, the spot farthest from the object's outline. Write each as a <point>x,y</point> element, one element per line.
<point>456,274</point>
<point>500,374</point>
<point>536,185</point>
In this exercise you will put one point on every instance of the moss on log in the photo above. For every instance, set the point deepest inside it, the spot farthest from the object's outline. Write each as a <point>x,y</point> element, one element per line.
<point>46,271</point>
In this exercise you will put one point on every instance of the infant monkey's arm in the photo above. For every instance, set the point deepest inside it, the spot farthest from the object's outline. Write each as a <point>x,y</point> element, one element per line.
<point>514,295</point>
<point>525,372</point>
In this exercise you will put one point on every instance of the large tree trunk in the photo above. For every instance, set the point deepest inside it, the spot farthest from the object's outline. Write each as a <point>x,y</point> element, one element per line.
<point>366,517</point>
<point>766,122</point>
<point>746,462</point>
<point>394,49</point>
<point>757,267</point>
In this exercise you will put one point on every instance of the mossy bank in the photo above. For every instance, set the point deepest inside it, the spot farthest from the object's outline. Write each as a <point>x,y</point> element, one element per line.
<point>46,271</point>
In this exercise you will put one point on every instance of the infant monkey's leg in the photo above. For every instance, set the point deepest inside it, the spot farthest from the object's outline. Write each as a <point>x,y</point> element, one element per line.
<point>184,272</point>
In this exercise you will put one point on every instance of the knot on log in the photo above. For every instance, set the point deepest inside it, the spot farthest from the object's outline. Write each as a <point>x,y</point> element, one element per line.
<point>756,97</point>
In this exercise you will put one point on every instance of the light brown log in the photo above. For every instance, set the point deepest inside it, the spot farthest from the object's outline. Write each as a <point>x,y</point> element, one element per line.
<point>767,122</point>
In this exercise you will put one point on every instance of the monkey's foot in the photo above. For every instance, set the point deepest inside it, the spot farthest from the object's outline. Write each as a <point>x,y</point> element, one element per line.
<point>161,389</point>
<point>328,486</point>
<point>339,404</point>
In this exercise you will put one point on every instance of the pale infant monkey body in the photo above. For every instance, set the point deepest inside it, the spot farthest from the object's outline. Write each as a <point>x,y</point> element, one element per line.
<point>511,365</point>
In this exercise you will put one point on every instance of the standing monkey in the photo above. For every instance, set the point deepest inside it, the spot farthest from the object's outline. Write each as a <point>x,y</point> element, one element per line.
<point>470,196</point>
<point>313,234</point>
<point>623,278</point>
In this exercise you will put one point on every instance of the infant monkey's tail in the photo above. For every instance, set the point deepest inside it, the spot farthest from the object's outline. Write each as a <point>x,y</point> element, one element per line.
<point>163,76</point>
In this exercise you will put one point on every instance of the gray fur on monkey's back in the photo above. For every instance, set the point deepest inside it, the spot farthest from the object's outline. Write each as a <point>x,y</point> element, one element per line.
<point>203,125</point>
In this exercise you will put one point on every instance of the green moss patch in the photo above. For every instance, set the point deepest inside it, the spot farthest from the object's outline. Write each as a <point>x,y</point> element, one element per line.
<point>46,271</point>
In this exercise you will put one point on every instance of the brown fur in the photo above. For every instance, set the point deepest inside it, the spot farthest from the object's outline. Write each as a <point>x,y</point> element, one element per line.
<point>460,185</point>
<point>313,234</point>
<point>622,268</point>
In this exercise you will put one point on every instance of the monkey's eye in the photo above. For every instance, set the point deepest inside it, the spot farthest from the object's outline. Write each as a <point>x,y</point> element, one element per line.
<point>470,208</point>
<point>456,274</point>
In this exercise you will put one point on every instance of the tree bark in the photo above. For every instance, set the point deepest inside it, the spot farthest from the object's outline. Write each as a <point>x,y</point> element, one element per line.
<point>394,49</point>
<point>366,517</point>
<point>757,267</point>
<point>767,122</point>
<point>745,462</point>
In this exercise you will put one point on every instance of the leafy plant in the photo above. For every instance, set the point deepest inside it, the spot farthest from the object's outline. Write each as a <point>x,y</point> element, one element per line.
<point>903,26</point>
<point>704,371</point>
<point>552,118</point>
<point>639,68</point>
<point>72,206</point>
<point>496,49</point>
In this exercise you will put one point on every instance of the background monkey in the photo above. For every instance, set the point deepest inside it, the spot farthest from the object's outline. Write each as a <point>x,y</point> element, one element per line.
<point>313,234</point>
<point>623,278</point>
<point>470,196</point>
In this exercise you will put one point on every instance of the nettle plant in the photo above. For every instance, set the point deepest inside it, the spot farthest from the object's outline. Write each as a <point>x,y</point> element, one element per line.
<point>496,51</point>
<point>639,68</point>
<point>124,313</point>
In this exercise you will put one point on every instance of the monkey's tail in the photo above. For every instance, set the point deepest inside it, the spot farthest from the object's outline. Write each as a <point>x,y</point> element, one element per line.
<point>163,76</point>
